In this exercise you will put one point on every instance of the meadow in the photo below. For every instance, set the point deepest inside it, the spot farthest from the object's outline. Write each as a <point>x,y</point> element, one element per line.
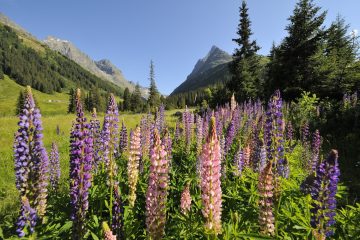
<point>235,172</point>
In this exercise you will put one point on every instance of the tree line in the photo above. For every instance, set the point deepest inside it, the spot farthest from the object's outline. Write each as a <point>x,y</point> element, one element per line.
<point>311,58</point>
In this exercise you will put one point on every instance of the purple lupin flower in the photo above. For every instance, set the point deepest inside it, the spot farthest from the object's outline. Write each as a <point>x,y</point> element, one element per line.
<point>145,133</point>
<point>199,133</point>
<point>96,136</point>
<point>279,135</point>
<point>210,183</point>
<point>160,118</point>
<point>81,158</point>
<point>316,144</point>
<point>188,120</point>
<point>117,209</point>
<point>239,162</point>
<point>54,166</point>
<point>273,136</point>
<point>323,193</point>
<point>156,194</point>
<point>262,159</point>
<point>110,144</point>
<point>30,156</point>
<point>133,164</point>
<point>26,218</point>
<point>266,193</point>
<point>123,138</point>
<point>231,131</point>
<point>289,131</point>
<point>306,152</point>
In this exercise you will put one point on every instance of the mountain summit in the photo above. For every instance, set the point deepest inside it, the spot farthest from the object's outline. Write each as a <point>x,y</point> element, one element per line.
<point>208,70</point>
<point>102,68</point>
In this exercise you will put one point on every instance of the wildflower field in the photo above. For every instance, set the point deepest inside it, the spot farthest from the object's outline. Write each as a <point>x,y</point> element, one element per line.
<point>240,171</point>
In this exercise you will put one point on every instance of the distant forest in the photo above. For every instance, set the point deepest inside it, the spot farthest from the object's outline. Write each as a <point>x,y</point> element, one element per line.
<point>46,71</point>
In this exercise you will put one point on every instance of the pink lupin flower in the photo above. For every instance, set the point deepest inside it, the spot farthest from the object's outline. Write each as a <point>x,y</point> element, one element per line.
<point>108,235</point>
<point>266,193</point>
<point>210,181</point>
<point>133,164</point>
<point>185,202</point>
<point>156,194</point>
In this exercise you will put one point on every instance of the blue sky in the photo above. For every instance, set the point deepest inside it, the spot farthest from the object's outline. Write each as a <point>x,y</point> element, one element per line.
<point>175,34</point>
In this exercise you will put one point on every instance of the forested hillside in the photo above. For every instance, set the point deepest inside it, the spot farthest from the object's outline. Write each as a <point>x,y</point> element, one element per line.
<point>43,69</point>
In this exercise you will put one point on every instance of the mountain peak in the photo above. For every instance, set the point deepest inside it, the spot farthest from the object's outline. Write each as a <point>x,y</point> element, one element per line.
<point>215,57</point>
<point>207,71</point>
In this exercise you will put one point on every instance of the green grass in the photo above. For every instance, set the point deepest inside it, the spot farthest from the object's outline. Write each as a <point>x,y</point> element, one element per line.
<point>50,104</point>
<point>8,126</point>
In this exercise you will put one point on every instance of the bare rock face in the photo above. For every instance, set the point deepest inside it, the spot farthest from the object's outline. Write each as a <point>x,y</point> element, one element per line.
<point>102,68</point>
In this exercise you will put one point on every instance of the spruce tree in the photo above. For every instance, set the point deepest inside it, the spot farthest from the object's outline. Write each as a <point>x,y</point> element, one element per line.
<point>292,71</point>
<point>136,102</point>
<point>127,100</point>
<point>245,81</point>
<point>72,101</point>
<point>333,63</point>
<point>154,96</point>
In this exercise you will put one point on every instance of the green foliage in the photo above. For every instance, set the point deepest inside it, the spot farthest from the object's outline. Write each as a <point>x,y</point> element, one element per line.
<point>305,109</point>
<point>127,100</point>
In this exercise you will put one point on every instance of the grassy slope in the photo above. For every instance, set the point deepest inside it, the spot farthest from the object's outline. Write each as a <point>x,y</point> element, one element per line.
<point>50,104</point>
<point>54,113</point>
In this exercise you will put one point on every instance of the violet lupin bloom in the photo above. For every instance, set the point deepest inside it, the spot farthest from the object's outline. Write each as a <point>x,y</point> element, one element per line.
<point>123,138</point>
<point>31,159</point>
<point>185,202</point>
<point>96,136</point>
<point>199,133</point>
<point>160,118</point>
<point>110,144</point>
<point>239,162</point>
<point>210,181</point>
<point>266,193</point>
<point>27,217</point>
<point>81,158</point>
<point>117,220</point>
<point>231,132</point>
<point>323,193</point>
<point>133,164</point>
<point>316,144</point>
<point>262,160</point>
<point>54,166</point>
<point>156,194</point>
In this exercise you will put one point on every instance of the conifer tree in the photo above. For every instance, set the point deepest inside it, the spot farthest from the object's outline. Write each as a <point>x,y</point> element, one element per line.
<point>136,102</point>
<point>154,96</point>
<point>292,70</point>
<point>334,61</point>
<point>245,81</point>
<point>127,100</point>
<point>72,101</point>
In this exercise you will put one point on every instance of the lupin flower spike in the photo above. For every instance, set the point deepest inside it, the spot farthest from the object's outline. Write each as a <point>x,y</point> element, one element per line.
<point>156,195</point>
<point>133,164</point>
<point>54,166</point>
<point>185,202</point>
<point>81,158</point>
<point>210,181</point>
<point>31,159</point>
<point>266,188</point>
<point>108,235</point>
